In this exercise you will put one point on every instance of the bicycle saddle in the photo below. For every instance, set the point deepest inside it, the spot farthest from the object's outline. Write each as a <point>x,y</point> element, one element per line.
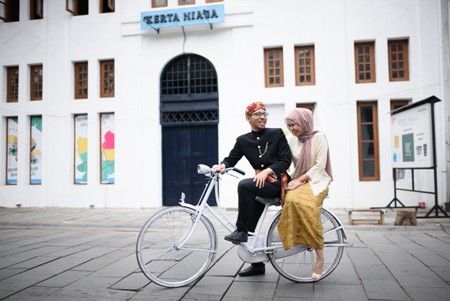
<point>268,201</point>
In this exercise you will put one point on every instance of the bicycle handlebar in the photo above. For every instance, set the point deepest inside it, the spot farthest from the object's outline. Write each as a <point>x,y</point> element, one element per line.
<point>238,171</point>
<point>204,169</point>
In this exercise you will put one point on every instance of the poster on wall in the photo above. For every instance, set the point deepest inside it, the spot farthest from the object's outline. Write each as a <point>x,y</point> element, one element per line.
<point>412,137</point>
<point>36,150</point>
<point>107,148</point>
<point>12,150</point>
<point>81,149</point>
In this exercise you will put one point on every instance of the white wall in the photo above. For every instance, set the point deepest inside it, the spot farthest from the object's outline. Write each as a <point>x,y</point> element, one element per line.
<point>235,48</point>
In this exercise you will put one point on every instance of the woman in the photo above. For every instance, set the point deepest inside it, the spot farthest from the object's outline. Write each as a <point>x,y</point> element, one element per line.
<point>300,221</point>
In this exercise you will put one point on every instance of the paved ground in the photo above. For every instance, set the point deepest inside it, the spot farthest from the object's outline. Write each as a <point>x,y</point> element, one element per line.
<point>89,254</point>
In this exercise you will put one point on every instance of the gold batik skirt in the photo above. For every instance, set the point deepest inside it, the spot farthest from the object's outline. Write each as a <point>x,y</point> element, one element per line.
<point>300,222</point>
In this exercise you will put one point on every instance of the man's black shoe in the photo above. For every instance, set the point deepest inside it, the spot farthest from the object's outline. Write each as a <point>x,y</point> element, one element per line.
<point>253,270</point>
<point>237,237</point>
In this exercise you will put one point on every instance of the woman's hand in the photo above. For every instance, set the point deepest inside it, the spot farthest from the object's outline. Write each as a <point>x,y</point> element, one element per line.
<point>294,184</point>
<point>297,182</point>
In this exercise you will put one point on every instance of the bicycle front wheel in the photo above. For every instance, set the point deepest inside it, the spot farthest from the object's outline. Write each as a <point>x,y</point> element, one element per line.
<point>297,263</point>
<point>174,250</point>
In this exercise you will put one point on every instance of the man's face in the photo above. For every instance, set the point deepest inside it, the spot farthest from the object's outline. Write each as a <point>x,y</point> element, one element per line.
<point>257,120</point>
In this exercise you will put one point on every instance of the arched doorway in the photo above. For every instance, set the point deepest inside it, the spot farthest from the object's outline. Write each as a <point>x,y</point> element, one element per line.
<point>189,107</point>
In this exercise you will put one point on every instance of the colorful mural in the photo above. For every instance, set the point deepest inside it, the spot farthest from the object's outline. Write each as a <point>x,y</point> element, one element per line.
<point>108,150</point>
<point>12,150</point>
<point>36,150</point>
<point>81,149</point>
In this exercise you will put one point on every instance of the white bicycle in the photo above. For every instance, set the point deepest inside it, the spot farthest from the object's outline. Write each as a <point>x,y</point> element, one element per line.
<point>177,245</point>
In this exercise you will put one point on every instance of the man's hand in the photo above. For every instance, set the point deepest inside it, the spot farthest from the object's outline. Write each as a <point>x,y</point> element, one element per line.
<point>218,168</point>
<point>261,177</point>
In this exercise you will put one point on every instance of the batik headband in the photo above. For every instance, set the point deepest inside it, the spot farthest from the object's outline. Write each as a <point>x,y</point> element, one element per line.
<point>254,106</point>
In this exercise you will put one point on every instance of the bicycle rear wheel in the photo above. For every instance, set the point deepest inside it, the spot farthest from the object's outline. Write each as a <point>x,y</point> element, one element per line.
<point>161,253</point>
<point>297,263</point>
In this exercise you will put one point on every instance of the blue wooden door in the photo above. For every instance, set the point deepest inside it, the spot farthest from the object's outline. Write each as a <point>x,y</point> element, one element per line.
<point>183,149</point>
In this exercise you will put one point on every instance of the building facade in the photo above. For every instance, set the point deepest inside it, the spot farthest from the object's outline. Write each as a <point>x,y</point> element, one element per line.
<point>114,103</point>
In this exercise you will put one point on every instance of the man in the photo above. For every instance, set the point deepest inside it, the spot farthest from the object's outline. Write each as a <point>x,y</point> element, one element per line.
<point>268,152</point>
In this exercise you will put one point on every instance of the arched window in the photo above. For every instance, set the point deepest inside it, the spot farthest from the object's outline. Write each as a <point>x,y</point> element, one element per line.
<point>189,92</point>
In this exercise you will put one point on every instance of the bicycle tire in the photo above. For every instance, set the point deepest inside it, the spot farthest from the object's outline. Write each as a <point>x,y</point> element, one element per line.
<point>297,264</point>
<point>164,262</point>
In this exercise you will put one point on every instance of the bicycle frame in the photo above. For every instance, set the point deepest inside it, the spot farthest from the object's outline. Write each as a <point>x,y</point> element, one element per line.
<point>203,206</point>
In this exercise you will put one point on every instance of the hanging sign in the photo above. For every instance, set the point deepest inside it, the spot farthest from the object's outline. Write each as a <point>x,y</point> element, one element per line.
<point>186,16</point>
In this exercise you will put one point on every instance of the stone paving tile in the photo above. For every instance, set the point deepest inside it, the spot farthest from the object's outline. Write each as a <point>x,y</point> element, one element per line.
<point>384,289</point>
<point>254,290</point>
<point>59,265</point>
<point>5,293</point>
<point>123,266</point>
<point>22,281</point>
<point>374,272</point>
<point>443,272</point>
<point>226,263</point>
<point>345,274</point>
<point>93,294</point>
<point>104,258</point>
<point>90,282</point>
<point>342,292</point>
<point>416,275</point>
<point>34,262</point>
<point>62,280</point>
<point>209,288</point>
<point>158,293</point>
<point>9,272</point>
<point>360,256</point>
<point>289,290</point>
<point>33,294</point>
<point>427,293</point>
<point>133,282</point>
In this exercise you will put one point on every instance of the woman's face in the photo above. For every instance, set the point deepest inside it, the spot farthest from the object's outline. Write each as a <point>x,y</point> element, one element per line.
<point>294,128</point>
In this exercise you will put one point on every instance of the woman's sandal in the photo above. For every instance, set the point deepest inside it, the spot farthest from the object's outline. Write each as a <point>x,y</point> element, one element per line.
<point>316,277</point>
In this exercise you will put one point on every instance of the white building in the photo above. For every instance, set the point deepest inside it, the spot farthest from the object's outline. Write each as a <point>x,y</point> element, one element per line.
<point>106,72</point>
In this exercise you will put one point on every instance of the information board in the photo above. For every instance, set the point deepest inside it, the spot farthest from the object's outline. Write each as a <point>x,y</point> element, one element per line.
<point>412,144</point>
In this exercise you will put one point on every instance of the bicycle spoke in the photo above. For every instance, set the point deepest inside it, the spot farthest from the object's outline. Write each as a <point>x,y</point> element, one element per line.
<point>162,254</point>
<point>198,250</point>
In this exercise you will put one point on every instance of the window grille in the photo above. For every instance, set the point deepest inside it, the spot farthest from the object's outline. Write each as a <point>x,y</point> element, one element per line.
<point>189,75</point>
<point>189,117</point>
<point>189,92</point>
